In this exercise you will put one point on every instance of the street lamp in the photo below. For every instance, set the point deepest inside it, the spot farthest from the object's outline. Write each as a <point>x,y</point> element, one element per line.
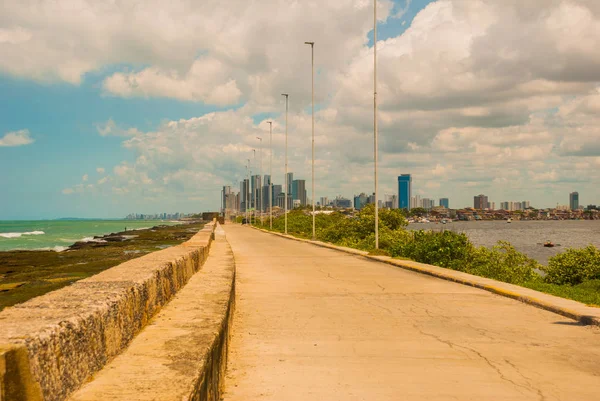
<point>254,182</point>
<point>286,158</point>
<point>270,174</point>
<point>246,191</point>
<point>312,53</point>
<point>260,197</point>
<point>375,118</point>
<point>248,215</point>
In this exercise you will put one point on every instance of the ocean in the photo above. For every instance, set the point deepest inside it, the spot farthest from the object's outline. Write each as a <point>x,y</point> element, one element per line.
<point>57,235</point>
<point>526,236</point>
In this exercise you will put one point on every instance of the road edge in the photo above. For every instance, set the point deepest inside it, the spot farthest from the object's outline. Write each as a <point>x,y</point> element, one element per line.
<point>577,311</point>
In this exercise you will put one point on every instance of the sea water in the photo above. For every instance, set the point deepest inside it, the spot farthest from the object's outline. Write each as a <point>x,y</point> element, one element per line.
<point>526,236</point>
<point>57,235</point>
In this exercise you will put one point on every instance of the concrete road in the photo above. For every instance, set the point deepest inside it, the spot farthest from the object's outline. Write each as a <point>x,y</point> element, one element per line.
<point>317,324</point>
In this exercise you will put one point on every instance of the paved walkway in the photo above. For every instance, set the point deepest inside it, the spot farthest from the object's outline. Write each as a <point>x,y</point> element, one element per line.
<point>317,324</point>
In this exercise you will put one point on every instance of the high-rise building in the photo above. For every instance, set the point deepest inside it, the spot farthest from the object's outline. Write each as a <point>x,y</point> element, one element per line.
<point>574,200</point>
<point>371,199</point>
<point>255,186</point>
<point>281,201</point>
<point>225,192</point>
<point>445,202</point>
<point>244,195</point>
<point>288,183</point>
<point>360,201</point>
<point>415,201</point>
<point>480,202</point>
<point>265,198</point>
<point>404,191</point>
<point>342,202</point>
<point>324,201</point>
<point>299,191</point>
<point>391,202</point>
<point>428,203</point>
<point>277,189</point>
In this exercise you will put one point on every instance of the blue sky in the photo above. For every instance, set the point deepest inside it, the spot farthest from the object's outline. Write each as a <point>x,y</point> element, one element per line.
<point>63,110</point>
<point>62,119</point>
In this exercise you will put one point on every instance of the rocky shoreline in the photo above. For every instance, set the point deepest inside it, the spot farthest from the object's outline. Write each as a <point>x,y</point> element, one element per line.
<point>26,274</point>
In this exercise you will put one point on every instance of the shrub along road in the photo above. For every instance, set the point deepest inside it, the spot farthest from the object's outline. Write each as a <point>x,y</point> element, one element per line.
<point>314,323</point>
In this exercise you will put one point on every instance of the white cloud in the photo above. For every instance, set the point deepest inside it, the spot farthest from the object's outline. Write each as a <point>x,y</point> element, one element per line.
<point>110,128</point>
<point>475,96</point>
<point>100,170</point>
<point>68,191</point>
<point>84,178</point>
<point>16,138</point>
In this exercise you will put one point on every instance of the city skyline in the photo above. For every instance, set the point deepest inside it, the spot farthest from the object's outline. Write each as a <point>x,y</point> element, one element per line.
<point>359,200</point>
<point>161,119</point>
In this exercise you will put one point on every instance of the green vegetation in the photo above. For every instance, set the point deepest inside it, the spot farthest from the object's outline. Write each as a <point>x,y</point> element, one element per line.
<point>574,266</point>
<point>28,274</point>
<point>587,292</point>
<point>574,274</point>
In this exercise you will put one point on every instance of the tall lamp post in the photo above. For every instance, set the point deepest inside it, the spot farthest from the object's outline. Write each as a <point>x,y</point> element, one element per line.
<point>375,118</point>
<point>246,191</point>
<point>249,203</point>
<point>286,158</point>
<point>312,55</point>
<point>270,174</point>
<point>260,192</point>
<point>254,182</point>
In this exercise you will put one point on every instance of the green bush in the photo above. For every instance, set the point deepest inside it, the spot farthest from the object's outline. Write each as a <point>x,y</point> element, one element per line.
<point>504,263</point>
<point>440,248</point>
<point>574,266</point>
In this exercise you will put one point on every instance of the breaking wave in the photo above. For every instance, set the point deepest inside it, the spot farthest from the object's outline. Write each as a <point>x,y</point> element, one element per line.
<point>19,235</point>
<point>91,239</point>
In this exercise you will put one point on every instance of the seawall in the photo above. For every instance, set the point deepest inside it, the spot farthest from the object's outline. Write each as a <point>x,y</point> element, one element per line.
<point>51,345</point>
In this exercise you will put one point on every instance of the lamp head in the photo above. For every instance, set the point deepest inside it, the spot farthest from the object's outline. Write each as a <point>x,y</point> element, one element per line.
<point>309,43</point>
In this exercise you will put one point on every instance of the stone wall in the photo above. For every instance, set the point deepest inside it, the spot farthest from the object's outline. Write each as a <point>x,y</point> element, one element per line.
<point>52,344</point>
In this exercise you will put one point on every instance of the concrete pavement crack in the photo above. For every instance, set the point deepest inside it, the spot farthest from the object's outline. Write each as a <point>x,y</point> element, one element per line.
<point>483,357</point>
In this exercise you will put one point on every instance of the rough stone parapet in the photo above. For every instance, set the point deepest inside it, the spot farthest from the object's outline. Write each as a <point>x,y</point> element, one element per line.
<point>182,354</point>
<point>70,334</point>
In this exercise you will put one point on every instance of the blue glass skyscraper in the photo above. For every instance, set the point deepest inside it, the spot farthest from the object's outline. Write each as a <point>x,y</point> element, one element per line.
<point>404,191</point>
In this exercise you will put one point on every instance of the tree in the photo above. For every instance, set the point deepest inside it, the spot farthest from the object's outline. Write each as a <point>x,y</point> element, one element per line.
<point>418,211</point>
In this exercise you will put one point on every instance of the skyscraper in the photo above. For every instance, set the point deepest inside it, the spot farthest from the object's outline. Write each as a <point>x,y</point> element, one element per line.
<point>444,202</point>
<point>360,201</point>
<point>480,202</point>
<point>288,183</point>
<point>244,195</point>
<point>574,200</point>
<point>255,187</point>
<point>404,191</point>
<point>226,191</point>
<point>299,191</point>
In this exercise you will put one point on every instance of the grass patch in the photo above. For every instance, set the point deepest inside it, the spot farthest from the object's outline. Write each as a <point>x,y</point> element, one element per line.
<point>587,292</point>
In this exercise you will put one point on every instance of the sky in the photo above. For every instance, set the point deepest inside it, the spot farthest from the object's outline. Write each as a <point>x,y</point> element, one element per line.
<point>121,106</point>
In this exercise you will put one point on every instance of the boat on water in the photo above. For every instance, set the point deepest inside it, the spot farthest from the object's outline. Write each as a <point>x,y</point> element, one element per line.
<point>549,244</point>
<point>509,221</point>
